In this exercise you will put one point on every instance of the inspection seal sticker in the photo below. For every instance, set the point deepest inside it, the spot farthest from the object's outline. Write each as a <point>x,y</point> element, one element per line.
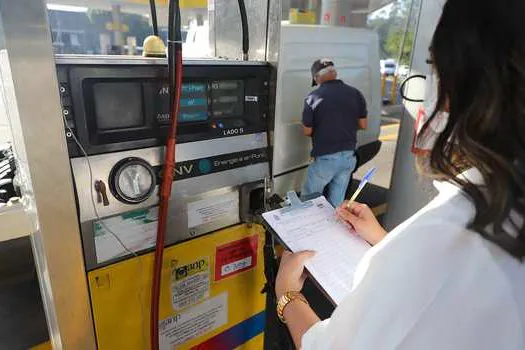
<point>190,283</point>
<point>193,322</point>
<point>235,257</point>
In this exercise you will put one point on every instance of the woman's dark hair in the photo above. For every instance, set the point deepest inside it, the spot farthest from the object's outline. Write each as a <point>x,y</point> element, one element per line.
<point>478,52</point>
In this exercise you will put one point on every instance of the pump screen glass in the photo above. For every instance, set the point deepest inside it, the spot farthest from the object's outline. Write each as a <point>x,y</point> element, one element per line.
<point>193,103</point>
<point>118,105</point>
<point>227,97</point>
<point>134,182</point>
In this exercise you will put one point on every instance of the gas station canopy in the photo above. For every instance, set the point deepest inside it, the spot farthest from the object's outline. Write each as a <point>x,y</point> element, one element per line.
<point>141,6</point>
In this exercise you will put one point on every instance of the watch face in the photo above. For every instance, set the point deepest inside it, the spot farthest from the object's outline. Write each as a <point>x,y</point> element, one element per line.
<point>132,180</point>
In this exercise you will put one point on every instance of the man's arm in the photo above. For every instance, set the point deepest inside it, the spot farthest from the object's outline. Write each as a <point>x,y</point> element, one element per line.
<point>362,123</point>
<point>308,131</point>
<point>308,119</point>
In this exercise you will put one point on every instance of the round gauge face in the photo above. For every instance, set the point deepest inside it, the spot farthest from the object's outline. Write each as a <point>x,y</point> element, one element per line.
<point>133,180</point>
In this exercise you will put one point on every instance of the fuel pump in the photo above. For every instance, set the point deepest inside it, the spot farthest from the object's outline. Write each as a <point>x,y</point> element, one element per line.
<point>119,113</point>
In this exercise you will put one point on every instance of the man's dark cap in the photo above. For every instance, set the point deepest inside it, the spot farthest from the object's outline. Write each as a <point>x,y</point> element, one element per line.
<point>319,65</point>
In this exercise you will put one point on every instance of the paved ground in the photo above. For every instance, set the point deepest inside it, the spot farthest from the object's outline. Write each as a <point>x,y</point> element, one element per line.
<point>22,319</point>
<point>384,161</point>
<point>389,90</point>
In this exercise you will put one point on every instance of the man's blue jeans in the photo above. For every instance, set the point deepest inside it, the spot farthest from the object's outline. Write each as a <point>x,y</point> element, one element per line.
<point>332,170</point>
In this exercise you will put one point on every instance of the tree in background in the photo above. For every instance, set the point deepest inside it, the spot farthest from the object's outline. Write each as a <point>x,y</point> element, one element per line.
<point>390,23</point>
<point>393,45</point>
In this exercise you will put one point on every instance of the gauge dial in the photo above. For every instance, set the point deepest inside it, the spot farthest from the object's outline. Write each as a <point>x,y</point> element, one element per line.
<point>132,180</point>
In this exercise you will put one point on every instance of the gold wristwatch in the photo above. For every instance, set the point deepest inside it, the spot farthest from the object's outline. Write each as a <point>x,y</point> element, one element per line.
<point>286,299</point>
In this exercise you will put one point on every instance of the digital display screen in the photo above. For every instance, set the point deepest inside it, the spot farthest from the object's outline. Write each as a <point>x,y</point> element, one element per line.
<point>118,105</point>
<point>193,102</point>
<point>199,101</point>
<point>188,88</point>
<point>227,98</point>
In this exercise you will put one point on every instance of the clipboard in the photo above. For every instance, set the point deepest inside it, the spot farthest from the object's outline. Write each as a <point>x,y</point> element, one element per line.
<point>295,206</point>
<point>294,203</point>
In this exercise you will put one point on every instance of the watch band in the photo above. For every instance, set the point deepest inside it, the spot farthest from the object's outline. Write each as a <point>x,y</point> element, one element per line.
<point>286,299</point>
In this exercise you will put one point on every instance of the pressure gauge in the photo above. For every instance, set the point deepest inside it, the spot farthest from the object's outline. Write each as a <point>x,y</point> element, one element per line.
<point>132,180</point>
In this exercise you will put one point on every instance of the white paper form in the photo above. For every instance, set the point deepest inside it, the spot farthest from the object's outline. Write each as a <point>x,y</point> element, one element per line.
<point>317,228</point>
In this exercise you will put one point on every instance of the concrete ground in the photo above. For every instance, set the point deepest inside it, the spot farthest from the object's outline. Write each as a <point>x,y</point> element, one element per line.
<point>22,319</point>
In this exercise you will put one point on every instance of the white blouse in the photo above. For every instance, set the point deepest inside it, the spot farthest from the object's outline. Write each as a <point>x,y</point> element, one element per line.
<point>431,284</point>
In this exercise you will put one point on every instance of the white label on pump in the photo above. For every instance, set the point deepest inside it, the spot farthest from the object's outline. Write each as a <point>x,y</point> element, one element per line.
<point>194,322</point>
<point>236,266</point>
<point>213,209</point>
<point>136,230</point>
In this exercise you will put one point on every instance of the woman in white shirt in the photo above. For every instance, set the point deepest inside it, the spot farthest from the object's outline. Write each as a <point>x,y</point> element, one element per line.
<point>450,277</point>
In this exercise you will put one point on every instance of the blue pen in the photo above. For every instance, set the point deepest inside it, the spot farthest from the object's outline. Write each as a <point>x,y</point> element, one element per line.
<point>368,176</point>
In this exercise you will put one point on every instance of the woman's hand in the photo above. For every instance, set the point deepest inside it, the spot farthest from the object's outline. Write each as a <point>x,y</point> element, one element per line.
<point>291,276</point>
<point>363,220</point>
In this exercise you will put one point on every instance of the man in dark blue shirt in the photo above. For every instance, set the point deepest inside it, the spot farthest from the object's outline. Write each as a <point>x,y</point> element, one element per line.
<point>332,115</point>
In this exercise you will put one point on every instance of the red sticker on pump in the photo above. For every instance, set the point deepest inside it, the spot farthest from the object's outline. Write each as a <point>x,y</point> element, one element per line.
<point>236,257</point>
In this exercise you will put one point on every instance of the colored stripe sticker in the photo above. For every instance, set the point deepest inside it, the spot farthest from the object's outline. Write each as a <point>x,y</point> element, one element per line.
<point>235,336</point>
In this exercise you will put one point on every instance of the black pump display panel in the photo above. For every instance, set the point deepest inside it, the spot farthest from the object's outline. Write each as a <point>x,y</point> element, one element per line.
<point>122,106</point>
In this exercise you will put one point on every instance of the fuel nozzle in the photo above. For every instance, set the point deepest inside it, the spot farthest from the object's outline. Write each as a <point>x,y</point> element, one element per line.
<point>154,47</point>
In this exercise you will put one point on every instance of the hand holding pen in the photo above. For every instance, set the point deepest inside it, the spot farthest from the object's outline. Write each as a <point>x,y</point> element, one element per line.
<point>366,179</point>
<point>360,217</point>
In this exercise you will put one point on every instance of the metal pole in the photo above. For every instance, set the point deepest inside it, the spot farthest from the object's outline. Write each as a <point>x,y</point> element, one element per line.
<point>383,86</point>
<point>393,90</point>
<point>409,190</point>
<point>30,88</point>
<point>117,28</point>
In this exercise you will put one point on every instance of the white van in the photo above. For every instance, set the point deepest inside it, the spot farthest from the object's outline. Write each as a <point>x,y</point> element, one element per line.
<point>388,67</point>
<point>197,43</point>
<point>355,52</point>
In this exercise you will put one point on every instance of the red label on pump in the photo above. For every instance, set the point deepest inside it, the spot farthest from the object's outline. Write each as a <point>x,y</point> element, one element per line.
<point>342,20</point>
<point>236,257</point>
<point>327,17</point>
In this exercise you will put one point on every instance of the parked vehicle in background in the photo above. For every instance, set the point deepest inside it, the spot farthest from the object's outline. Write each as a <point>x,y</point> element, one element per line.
<point>197,42</point>
<point>294,80</point>
<point>388,66</point>
<point>403,70</point>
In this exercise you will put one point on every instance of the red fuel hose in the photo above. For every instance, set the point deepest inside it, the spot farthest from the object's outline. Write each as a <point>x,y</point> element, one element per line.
<point>175,73</point>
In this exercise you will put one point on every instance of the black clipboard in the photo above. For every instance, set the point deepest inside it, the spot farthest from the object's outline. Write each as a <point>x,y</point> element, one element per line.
<point>294,203</point>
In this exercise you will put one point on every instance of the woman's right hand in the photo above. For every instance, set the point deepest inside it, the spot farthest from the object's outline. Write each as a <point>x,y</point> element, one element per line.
<point>363,220</point>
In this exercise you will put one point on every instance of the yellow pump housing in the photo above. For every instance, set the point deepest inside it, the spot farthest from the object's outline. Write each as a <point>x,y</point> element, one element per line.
<point>210,295</point>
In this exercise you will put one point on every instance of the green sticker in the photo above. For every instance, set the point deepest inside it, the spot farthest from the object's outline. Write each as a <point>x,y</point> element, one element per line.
<point>136,215</point>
